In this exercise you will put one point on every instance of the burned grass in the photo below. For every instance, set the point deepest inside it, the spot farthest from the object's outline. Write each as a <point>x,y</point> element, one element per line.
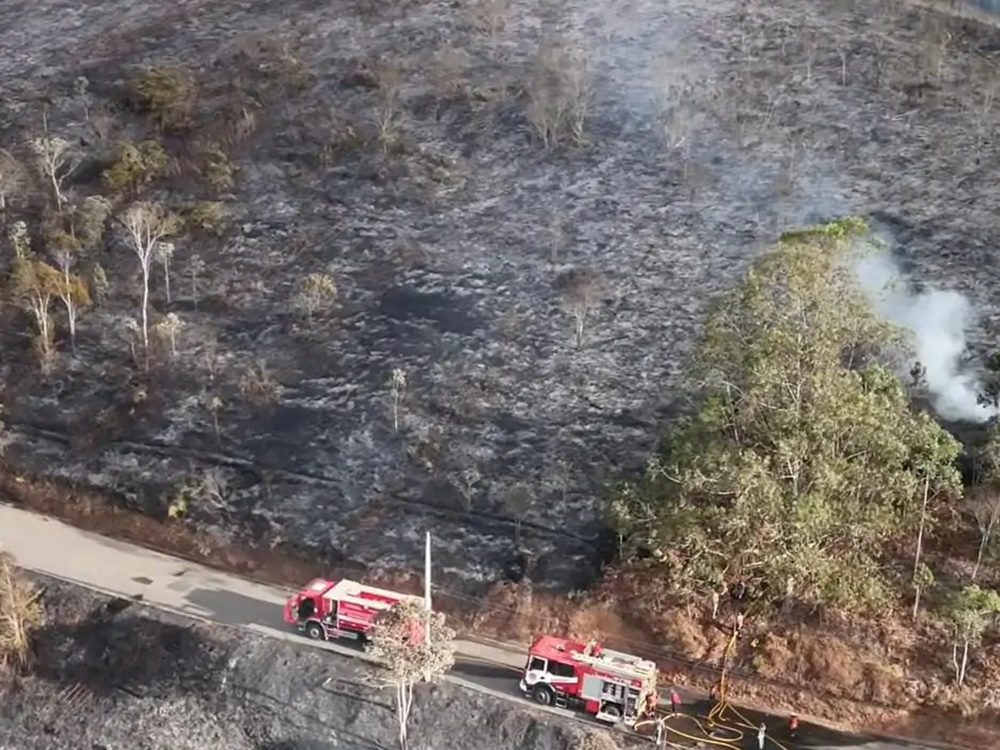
<point>409,167</point>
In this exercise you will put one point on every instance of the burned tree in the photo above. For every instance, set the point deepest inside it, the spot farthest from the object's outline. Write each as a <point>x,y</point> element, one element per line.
<point>168,329</point>
<point>412,644</point>
<point>146,226</point>
<point>559,94</point>
<point>580,290</point>
<point>56,162</point>
<point>11,178</point>
<point>518,499</point>
<point>72,289</point>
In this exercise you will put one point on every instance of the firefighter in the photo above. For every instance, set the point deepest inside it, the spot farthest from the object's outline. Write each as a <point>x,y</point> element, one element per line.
<point>761,735</point>
<point>793,726</point>
<point>675,700</point>
<point>739,623</point>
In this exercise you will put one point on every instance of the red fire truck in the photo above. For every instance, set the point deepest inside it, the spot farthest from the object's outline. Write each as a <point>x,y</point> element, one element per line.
<point>612,686</point>
<point>338,609</point>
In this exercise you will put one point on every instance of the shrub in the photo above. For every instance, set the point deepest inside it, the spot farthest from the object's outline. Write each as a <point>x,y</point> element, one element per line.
<point>317,293</point>
<point>258,385</point>
<point>166,94</point>
<point>218,170</point>
<point>181,499</point>
<point>207,217</point>
<point>99,284</point>
<point>135,165</point>
<point>90,220</point>
<point>20,616</point>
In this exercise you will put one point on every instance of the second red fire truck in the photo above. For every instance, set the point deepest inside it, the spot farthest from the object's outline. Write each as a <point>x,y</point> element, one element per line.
<point>610,685</point>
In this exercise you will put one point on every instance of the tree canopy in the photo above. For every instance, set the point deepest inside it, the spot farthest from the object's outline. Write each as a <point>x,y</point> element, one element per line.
<point>805,460</point>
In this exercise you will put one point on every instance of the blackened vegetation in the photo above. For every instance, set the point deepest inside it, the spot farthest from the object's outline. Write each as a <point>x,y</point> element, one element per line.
<point>113,673</point>
<point>111,649</point>
<point>400,150</point>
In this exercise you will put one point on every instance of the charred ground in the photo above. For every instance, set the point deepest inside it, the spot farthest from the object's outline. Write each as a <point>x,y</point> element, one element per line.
<point>447,229</point>
<point>111,672</point>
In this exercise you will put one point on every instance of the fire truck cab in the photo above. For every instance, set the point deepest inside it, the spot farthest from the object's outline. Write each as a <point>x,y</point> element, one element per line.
<point>612,686</point>
<point>338,609</point>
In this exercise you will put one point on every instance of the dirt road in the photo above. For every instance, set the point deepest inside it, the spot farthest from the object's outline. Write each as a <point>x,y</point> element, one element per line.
<point>96,562</point>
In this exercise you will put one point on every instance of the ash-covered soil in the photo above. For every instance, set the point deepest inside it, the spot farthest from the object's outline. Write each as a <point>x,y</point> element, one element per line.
<point>712,127</point>
<point>111,673</point>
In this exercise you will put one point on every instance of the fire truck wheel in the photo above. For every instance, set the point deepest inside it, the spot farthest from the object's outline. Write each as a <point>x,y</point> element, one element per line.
<point>543,695</point>
<point>315,631</point>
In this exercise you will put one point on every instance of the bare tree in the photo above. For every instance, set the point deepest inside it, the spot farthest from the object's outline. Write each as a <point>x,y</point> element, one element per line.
<point>559,93</point>
<point>985,508</point>
<point>413,645</point>
<point>164,254</point>
<point>72,290</point>
<point>19,239</point>
<point>128,330</point>
<point>57,161</point>
<point>81,88</point>
<point>518,499</point>
<point>580,290</point>
<point>214,405</point>
<point>387,114</point>
<point>196,267</point>
<point>168,329</point>
<point>556,237</point>
<point>397,389</point>
<point>579,94</point>
<point>983,117</point>
<point>210,358</point>
<point>146,226</point>
<point>11,177</point>
<point>259,386</point>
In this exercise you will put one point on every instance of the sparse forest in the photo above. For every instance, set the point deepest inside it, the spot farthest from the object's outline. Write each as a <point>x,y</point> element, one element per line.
<point>292,282</point>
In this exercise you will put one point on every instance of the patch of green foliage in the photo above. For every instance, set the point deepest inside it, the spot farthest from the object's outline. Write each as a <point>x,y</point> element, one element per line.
<point>135,165</point>
<point>207,218</point>
<point>217,169</point>
<point>805,460</point>
<point>90,220</point>
<point>167,95</point>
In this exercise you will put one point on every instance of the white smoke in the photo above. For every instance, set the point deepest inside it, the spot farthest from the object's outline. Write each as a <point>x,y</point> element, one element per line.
<point>938,320</point>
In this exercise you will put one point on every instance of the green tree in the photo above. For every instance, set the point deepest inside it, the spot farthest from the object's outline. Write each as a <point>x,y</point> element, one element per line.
<point>34,284</point>
<point>968,612</point>
<point>804,461</point>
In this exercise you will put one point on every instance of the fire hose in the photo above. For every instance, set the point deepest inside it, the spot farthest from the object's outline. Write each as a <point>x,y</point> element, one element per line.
<point>718,722</point>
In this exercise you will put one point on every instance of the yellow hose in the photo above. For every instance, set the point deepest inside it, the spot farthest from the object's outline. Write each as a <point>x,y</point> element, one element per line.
<point>716,717</point>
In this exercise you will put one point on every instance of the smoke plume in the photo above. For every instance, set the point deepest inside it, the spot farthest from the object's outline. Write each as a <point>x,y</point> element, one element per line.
<point>938,320</point>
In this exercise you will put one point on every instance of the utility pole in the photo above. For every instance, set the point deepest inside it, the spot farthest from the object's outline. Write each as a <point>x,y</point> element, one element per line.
<point>427,573</point>
<point>427,586</point>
